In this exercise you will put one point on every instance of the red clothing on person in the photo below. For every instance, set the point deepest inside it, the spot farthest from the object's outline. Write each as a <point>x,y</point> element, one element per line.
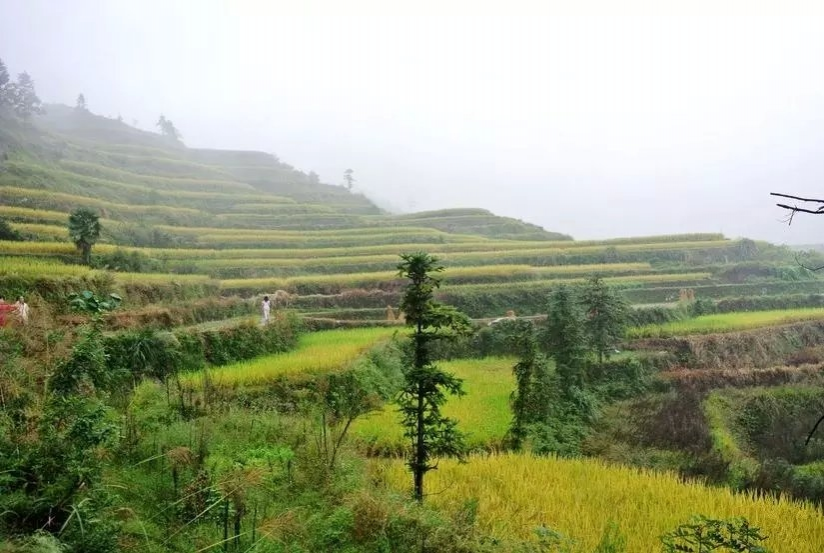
<point>6,308</point>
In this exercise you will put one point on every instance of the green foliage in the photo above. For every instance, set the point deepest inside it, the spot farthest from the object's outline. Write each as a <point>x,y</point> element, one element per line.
<point>342,399</point>
<point>425,387</point>
<point>159,354</point>
<point>702,535</point>
<point>22,96</point>
<point>564,338</point>
<point>122,260</point>
<point>91,304</point>
<point>553,541</point>
<point>605,317</point>
<point>4,81</point>
<point>8,233</point>
<point>84,231</point>
<point>496,340</point>
<point>612,541</point>
<point>249,340</point>
<point>348,178</point>
<point>84,368</point>
<point>51,455</point>
<point>168,129</point>
<point>531,399</point>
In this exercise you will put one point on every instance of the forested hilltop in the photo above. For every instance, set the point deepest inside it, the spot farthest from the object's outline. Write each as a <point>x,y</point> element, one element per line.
<point>210,350</point>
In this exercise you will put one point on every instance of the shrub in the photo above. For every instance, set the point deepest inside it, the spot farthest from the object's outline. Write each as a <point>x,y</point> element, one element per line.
<point>8,233</point>
<point>158,354</point>
<point>128,261</point>
<point>702,534</point>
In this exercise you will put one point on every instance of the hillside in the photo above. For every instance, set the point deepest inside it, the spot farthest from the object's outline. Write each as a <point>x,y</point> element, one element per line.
<point>82,157</point>
<point>178,420</point>
<point>242,223</point>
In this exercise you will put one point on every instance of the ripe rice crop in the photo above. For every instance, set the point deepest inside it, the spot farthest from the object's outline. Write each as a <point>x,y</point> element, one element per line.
<point>28,215</point>
<point>518,493</point>
<point>44,232</point>
<point>338,281</point>
<point>317,352</point>
<point>535,256</point>
<point>27,194</point>
<point>162,165</point>
<point>228,196</point>
<point>366,231</point>
<point>619,280</point>
<point>160,278</point>
<point>102,205</point>
<point>344,281</point>
<point>726,322</point>
<point>36,248</point>
<point>483,413</point>
<point>48,248</point>
<point>153,181</point>
<point>33,266</point>
<point>264,209</point>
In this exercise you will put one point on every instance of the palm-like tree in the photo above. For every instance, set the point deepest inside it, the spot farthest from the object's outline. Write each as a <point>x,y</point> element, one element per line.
<point>84,230</point>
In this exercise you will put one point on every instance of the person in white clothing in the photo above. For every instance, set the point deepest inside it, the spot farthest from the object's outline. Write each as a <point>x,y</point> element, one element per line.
<point>22,310</point>
<point>266,308</point>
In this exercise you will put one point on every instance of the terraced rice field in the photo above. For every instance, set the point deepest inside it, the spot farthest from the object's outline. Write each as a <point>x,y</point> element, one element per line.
<point>42,232</point>
<point>517,494</point>
<point>483,413</point>
<point>257,225</point>
<point>726,322</point>
<point>33,266</point>
<point>317,352</point>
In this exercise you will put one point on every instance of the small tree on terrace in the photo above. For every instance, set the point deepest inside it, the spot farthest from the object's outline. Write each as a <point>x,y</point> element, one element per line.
<point>84,230</point>
<point>425,385</point>
<point>348,176</point>
<point>81,103</point>
<point>168,129</point>
<point>605,315</point>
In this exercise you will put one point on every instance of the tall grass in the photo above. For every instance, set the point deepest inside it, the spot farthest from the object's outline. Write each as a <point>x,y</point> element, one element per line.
<point>317,352</point>
<point>580,497</point>
<point>726,322</point>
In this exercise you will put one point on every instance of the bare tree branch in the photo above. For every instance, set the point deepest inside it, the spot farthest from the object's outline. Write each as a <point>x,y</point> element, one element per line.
<point>793,209</point>
<point>809,437</point>
<point>796,197</point>
<point>800,264</point>
<point>818,211</point>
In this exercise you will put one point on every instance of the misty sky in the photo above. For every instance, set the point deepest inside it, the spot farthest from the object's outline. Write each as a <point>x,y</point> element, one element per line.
<point>595,126</point>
